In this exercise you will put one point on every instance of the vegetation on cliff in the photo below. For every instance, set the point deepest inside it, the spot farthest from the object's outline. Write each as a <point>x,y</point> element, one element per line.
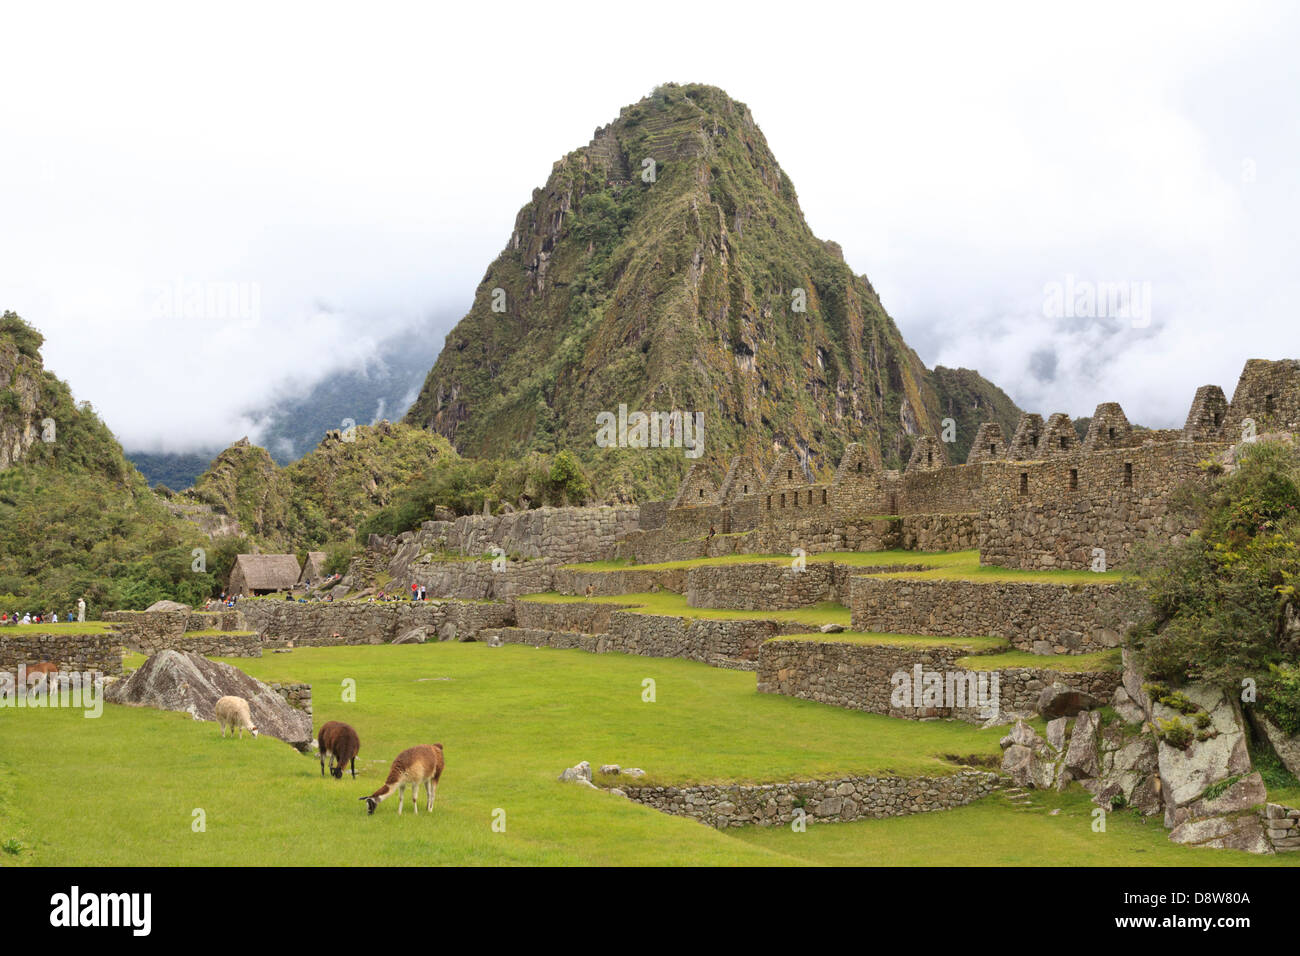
<point>667,265</point>
<point>76,518</point>
<point>1224,607</point>
<point>321,498</point>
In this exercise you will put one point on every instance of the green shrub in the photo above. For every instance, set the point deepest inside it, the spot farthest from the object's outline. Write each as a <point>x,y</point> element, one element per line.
<point>1175,733</point>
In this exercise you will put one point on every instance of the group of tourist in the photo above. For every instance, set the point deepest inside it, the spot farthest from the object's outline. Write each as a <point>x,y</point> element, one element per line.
<point>51,617</point>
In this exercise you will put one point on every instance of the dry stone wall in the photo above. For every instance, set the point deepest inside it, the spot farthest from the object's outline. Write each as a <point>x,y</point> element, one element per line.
<point>71,652</point>
<point>339,623</point>
<point>1065,512</point>
<point>1036,617</point>
<point>817,801</point>
<point>861,676</point>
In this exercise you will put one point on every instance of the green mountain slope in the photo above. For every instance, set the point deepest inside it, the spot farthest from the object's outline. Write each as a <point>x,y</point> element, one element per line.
<point>663,266</point>
<point>76,518</point>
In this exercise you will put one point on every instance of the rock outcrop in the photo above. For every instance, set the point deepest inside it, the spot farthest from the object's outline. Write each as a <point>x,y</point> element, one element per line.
<point>174,680</point>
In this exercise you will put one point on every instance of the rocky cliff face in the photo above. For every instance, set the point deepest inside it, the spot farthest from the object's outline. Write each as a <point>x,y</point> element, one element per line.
<point>321,496</point>
<point>667,266</point>
<point>21,377</point>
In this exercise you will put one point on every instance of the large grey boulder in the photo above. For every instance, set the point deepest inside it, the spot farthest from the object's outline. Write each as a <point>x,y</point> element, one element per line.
<point>1027,758</point>
<point>167,606</point>
<point>1081,758</point>
<point>413,635</point>
<point>1187,772</point>
<point>178,680</point>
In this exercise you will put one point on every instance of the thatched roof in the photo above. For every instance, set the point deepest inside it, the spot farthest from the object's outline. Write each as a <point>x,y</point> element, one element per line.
<point>314,569</point>
<point>267,572</point>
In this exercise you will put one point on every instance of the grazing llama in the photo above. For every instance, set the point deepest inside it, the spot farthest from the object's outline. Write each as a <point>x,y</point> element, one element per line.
<point>232,712</point>
<point>413,766</point>
<point>340,744</point>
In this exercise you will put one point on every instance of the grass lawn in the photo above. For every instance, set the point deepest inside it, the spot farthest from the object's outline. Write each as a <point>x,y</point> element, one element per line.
<point>673,604</point>
<point>75,627</point>
<point>991,832</point>
<point>123,789</point>
<point>947,565</point>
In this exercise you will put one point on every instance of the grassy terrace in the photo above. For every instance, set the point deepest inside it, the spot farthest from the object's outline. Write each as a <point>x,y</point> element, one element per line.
<point>75,627</point>
<point>511,718</point>
<point>672,604</point>
<point>944,565</point>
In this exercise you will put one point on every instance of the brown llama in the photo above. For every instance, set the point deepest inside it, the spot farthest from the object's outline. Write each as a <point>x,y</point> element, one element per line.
<point>340,743</point>
<point>413,766</point>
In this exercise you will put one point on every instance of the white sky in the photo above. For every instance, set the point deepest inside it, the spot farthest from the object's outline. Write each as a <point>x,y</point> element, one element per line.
<point>358,167</point>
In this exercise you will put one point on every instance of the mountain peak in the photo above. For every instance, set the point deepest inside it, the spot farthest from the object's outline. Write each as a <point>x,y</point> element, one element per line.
<point>666,266</point>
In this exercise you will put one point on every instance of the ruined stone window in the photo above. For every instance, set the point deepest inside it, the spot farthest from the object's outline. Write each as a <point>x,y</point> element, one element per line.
<point>1024,482</point>
<point>823,496</point>
<point>1218,419</point>
<point>1110,432</point>
<point>1268,404</point>
<point>783,499</point>
<point>1128,474</point>
<point>1064,443</point>
<point>1033,440</point>
<point>701,492</point>
<point>789,474</point>
<point>1074,479</point>
<point>746,490</point>
<point>859,468</point>
<point>769,502</point>
<point>993,449</point>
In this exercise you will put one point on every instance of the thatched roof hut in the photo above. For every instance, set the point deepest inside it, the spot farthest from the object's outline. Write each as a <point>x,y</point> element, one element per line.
<point>314,569</point>
<point>255,574</point>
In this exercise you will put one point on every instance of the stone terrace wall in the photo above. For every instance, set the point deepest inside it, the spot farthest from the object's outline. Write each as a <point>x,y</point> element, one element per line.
<point>565,534</point>
<point>1036,617</point>
<point>71,652</point>
<point>821,801</point>
<point>859,677</point>
<point>314,625</point>
<point>1021,685</point>
<point>146,628</point>
<point>222,644</point>
<point>945,490</point>
<point>847,674</point>
<point>297,696</point>
<point>625,581</point>
<point>773,587</point>
<point>732,644</point>
<point>148,632</point>
<point>815,530</point>
<point>1052,514</point>
<point>476,580</point>
<point>576,616</point>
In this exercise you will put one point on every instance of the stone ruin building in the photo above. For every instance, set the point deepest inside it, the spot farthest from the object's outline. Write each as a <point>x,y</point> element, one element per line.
<point>1042,499</point>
